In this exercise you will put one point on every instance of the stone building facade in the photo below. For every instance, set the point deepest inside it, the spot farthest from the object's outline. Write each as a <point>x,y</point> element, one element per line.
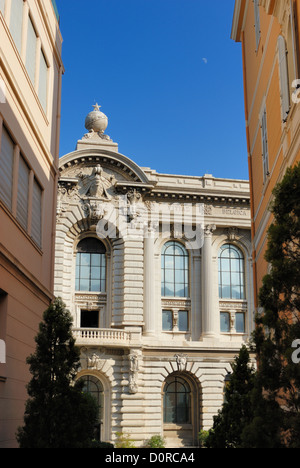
<point>156,270</point>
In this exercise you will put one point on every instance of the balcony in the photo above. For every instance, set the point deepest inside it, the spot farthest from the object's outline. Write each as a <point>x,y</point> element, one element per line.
<point>102,336</point>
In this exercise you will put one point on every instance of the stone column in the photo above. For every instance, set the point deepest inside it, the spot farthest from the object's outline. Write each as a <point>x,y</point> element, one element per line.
<point>209,317</point>
<point>149,283</point>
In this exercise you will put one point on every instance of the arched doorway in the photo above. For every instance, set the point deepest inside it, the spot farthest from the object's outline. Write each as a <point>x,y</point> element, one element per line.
<point>180,410</point>
<point>94,387</point>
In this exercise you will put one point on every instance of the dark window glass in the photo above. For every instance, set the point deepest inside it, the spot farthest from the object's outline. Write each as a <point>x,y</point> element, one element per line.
<point>177,401</point>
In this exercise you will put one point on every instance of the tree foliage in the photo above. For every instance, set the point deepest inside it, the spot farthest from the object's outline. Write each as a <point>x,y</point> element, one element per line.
<point>279,325</point>
<point>264,411</point>
<point>58,414</point>
<point>236,412</point>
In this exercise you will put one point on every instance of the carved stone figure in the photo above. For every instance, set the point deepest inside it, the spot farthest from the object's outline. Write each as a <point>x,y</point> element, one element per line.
<point>95,185</point>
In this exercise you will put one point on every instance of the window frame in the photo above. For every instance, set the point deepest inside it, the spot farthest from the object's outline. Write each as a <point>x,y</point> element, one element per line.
<point>185,270</point>
<point>265,146</point>
<point>175,380</point>
<point>102,266</point>
<point>241,273</point>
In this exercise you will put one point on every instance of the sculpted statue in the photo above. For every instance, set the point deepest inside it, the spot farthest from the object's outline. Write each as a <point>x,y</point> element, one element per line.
<point>95,185</point>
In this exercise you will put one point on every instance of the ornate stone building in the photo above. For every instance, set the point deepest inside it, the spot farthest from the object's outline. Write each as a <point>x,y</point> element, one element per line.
<point>156,271</point>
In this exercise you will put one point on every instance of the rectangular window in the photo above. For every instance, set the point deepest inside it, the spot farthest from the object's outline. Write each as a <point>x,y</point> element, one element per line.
<point>257,22</point>
<point>225,322</point>
<point>183,323</point>
<point>36,220</point>
<point>43,81</point>
<point>167,320</point>
<point>240,322</point>
<point>6,168</point>
<point>89,319</point>
<point>23,193</point>
<point>3,319</point>
<point>16,22</point>
<point>265,151</point>
<point>31,51</point>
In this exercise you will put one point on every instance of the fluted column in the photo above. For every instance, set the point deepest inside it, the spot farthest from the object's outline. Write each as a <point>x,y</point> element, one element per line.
<point>149,283</point>
<point>209,316</point>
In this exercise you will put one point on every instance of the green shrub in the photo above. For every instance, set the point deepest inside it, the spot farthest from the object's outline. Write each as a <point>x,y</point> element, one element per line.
<point>202,438</point>
<point>124,441</point>
<point>156,441</point>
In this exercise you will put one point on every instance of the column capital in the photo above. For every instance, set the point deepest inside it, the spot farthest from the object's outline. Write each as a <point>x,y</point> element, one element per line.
<point>209,229</point>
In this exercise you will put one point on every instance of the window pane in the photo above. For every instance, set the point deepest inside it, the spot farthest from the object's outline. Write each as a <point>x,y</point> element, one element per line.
<point>231,277</point>
<point>169,289</point>
<point>179,276</point>
<point>31,51</point>
<point>90,270</point>
<point>95,260</point>
<point>43,81</point>
<point>36,220</point>
<point>95,286</point>
<point>225,322</point>
<point>183,320</point>
<point>240,322</point>
<point>84,272</point>
<point>84,284</point>
<point>23,189</point>
<point>174,272</point>
<point>16,20</point>
<point>6,168</point>
<point>167,320</point>
<point>95,273</point>
<point>85,259</point>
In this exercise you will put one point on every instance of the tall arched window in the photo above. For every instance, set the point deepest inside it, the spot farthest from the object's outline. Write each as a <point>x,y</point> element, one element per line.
<point>90,265</point>
<point>231,273</point>
<point>177,401</point>
<point>174,270</point>
<point>94,387</point>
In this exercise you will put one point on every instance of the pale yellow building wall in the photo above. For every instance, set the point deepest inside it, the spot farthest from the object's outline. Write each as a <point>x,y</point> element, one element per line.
<point>262,86</point>
<point>26,269</point>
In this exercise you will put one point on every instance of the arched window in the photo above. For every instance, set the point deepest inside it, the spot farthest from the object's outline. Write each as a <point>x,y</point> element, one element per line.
<point>177,401</point>
<point>94,387</point>
<point>174,270</point>
<point>90,266</point>
<point>231,273</point>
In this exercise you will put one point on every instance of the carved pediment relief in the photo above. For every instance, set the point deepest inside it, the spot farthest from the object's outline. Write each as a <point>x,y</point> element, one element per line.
<point>94,182</point>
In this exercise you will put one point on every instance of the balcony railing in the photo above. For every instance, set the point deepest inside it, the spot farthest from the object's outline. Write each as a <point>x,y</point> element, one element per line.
<point>100,336</point>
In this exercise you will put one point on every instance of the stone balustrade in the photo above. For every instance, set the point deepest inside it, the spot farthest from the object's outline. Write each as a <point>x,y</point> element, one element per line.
<point>99,336</point>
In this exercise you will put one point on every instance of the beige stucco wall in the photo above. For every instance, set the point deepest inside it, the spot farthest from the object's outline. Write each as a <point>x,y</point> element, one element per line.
<point>26,269</point>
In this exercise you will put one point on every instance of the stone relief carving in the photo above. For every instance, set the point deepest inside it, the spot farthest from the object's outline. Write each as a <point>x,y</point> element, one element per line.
<point>181,360</point>
<point>95,185</point>
<point>133,372</point>
<point>92,359</point>
<point>94,210</point>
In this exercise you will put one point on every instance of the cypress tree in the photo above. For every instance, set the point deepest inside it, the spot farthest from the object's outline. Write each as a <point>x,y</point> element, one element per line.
<point>58,414</point>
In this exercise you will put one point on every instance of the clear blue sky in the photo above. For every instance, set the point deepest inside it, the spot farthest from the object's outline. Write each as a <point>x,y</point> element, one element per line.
<point>166,74</point>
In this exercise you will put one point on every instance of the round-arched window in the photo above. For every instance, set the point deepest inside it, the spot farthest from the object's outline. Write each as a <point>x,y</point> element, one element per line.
<point>94,387</point>
<point>177,401</point>
<point>231,273</point>
<point>90,266</point>
<point>174,270</point>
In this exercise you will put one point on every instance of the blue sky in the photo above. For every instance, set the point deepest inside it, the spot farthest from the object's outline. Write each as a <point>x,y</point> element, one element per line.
<point>166,74</point>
